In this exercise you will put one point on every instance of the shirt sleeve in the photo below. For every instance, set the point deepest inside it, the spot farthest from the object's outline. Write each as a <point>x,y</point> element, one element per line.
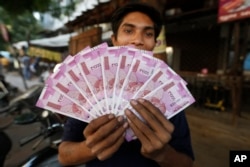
<point>73,130</point>
<point>181,139</point>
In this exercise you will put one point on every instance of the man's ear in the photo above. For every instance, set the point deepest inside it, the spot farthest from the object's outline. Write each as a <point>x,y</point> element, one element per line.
<point>113,39</point>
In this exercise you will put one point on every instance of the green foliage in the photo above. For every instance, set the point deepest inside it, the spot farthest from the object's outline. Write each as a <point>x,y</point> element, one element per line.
<point>18,17</point>
<point>56,11</point>
<point>25,27</point>
<point>16,7</point>
<point>22,27</point>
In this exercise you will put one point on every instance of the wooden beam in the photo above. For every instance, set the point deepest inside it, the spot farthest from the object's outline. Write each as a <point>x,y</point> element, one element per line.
<point>103,11</point>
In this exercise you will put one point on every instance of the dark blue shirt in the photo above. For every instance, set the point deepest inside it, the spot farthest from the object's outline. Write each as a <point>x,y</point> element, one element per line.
<point>129,154</point>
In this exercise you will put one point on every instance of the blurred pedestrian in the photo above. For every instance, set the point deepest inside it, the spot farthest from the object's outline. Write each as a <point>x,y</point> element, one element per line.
<point>34,66</point>
<point>25,65</point>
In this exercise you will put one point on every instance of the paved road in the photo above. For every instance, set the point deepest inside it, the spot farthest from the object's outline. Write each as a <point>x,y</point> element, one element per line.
<point>18,153</point>
<point>16,80</point>
<point>17,132</point>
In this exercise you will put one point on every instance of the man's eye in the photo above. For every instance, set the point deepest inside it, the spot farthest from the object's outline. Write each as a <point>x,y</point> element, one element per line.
<point>128,31</point>
<point>149,34</point>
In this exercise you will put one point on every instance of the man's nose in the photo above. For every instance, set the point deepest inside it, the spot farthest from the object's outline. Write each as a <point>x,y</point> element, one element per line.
<point>137,39</point>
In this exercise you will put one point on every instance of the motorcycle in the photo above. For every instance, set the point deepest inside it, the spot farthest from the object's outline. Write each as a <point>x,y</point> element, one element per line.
<point>22,106</point>
<point>52,128</point>
<point>23,110</point>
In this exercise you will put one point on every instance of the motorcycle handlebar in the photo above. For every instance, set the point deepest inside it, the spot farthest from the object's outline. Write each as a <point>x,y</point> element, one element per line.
<point>49,129</point>
<point>29,138</point>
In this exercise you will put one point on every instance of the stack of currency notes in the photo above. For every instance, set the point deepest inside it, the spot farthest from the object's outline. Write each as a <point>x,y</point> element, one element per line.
<point>102,80</point>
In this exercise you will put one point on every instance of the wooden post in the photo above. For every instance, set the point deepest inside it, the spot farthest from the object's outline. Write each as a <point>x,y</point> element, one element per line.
<point>236,77</point>
<point>236,85</point>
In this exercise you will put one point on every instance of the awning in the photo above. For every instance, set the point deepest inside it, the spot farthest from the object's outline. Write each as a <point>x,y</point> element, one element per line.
<point>57,41</point>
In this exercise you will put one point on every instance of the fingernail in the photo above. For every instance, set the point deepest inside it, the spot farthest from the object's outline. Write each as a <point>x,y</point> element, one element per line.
<point>120,119</point>
<point>134,102</point>
<point>111,116</point>
<point>125,125</point>
<point>128,112</point>
<point>141,100</point>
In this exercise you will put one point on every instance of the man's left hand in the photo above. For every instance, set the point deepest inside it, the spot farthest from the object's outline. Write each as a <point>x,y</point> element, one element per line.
<point>154,131</point>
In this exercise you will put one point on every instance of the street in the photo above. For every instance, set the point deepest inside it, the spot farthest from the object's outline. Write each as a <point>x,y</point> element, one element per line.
<point>18,132</point>
<point>16,80</point>
<point>213,133</point>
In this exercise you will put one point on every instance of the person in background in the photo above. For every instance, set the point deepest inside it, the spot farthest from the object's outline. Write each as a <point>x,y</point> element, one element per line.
<point>6,145</point>
<point>25,65</point>
<point>160,142</point>
<point>34,66</point>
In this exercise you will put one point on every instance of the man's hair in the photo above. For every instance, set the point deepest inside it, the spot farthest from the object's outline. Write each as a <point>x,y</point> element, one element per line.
<point>144,8</point>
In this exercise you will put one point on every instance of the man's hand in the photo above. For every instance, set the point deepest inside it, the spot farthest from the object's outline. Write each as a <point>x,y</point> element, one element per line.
<point>105,135</point>
<point>154,133</point>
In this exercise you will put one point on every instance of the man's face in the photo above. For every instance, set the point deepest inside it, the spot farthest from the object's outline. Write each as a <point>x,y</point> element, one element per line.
<point>136,29</point>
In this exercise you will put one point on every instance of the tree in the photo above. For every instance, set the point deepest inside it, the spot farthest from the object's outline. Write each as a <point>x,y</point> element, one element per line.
<point>16,7</point>
<point>20,27</point>
<point>18,17</point>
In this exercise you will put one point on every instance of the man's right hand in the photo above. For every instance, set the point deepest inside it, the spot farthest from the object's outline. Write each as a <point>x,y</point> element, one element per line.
<point>105,135</point>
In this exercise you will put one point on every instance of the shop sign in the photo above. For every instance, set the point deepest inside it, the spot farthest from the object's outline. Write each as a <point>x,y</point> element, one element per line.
<point>231,10</point>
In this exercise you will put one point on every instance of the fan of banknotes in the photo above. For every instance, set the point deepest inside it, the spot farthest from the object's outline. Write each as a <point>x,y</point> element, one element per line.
<point>102,80</point>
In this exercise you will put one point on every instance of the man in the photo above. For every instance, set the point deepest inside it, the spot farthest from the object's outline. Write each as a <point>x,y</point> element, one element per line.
<point>101,143</point>
<point>25,63</point>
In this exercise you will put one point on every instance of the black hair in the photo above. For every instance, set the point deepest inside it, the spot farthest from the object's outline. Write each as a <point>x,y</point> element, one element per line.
<point>144,8</point>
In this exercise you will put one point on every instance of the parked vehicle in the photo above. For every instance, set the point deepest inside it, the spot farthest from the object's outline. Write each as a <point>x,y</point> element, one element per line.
<point>48,156</point>
<point>51,127</point>
<point>22,105</point>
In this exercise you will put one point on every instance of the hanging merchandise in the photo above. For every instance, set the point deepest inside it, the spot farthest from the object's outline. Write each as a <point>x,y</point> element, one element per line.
<point>44,53</point>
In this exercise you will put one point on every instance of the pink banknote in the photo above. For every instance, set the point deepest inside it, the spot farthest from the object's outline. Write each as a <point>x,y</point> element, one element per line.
<point>72,74</point>
<point>52,100</point>
<point>124,64</point>
<point>142,67</point>
<point>109,60</point>
<point>91,70</point>
<point>162,74</point>
<point>170,98</point>
<point>62,84</point>
<point>169,72</point>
